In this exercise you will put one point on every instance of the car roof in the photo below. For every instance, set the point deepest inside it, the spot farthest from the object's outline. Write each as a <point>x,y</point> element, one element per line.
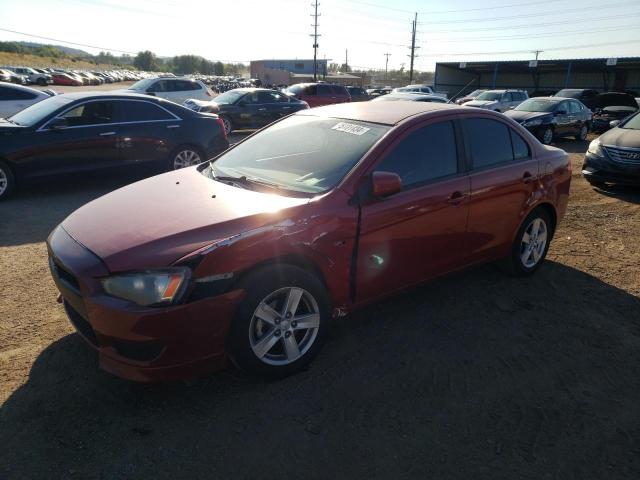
<point>20,87</point>
<point>386,113</point>
<point>107,96</point>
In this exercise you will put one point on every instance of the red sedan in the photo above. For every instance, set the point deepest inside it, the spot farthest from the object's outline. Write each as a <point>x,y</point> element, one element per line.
<point>251,255</point>
<point>65,79</point>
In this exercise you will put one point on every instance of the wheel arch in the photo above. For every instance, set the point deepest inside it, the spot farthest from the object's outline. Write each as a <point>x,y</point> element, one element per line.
<point>291,259</point>
<point>550,210</point>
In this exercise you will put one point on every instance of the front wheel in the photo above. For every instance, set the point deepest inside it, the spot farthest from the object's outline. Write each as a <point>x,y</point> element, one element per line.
<point>547,136</point>
<point>531,244</point>
<point>282,322</point>
<point>228,124</point>
<point>7,181</point>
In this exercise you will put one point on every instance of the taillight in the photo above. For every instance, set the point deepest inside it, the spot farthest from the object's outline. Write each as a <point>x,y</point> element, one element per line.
<point>221,123</point>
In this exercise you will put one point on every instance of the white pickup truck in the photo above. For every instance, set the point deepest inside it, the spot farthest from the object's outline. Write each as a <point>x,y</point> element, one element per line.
<point>419,89</point>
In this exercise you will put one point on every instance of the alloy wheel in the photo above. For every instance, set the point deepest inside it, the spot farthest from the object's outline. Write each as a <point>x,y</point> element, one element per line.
<point>584,131</point>
<point>227,125</point>
<point>186,158</point>
<point>534,242</point>
<point>4,181</point>
<point>547,136</point>
<point>284,326</point>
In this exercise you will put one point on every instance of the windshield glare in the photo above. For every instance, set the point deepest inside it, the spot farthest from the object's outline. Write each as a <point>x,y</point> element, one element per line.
<point>301,153</point>
<point>491,96</point>
<point>38,111</point>
<point>633,123</point>
<point>537,105</point>
<point>229,97</point>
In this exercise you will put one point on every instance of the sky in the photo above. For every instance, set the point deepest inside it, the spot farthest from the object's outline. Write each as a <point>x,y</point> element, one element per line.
<point>244,30</point>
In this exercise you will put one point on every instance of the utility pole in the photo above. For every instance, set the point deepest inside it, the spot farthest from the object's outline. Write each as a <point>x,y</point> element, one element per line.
<point>346,61</point>
<point>537,52</point>
<point>315,36</point>
<point>413,46</point>
<point>386,66</point>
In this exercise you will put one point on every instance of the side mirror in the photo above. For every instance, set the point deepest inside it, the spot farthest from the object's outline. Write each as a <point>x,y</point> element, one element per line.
<point>384,184</point>
<point>58,123</point>
<point>614,123</point>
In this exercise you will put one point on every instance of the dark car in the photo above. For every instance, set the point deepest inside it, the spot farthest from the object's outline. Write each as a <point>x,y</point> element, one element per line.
<point>248,107</point>
<point>469,96</point>
<point>251,255</point>
<point>358,94</point>
<point>553,117</point>
<point>612,106</point>
<point>319,94</point>
<point>81,132</point>
<point>585,95</point>
<point>614,157</point>
<point>410,97</point>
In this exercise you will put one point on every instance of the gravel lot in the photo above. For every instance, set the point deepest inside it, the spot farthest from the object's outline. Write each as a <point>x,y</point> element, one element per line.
<point>477,375</point>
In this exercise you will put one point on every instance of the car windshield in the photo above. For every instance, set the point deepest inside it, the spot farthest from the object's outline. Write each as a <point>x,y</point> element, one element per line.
<point>633,123</point>
<point>36,112</point>
<point>475,93</point>
<point>537,105</point>
<point>229,97</point>
<point>489,96</point>
<point>301,153</point>
<point>568,93</point>
<point>142,85</point>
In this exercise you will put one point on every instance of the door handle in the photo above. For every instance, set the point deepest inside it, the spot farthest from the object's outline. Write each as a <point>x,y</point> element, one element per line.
<point>173,126</point>
<point>527,177</point>
<point>107,134</point>
<point>286,108</point>
<point>456,197</point>
<point>262,109</point>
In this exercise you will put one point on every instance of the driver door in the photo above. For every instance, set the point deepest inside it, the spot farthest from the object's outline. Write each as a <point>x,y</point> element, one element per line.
<point>86,138</point>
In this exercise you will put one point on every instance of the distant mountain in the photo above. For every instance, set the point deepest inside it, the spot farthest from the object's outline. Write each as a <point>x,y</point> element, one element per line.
<point>62,48</point>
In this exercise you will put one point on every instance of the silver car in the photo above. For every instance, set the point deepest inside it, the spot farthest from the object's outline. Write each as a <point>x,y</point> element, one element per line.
<point>499,100</point>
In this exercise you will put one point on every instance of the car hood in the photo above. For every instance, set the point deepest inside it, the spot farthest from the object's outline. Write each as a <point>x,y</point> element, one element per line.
<point>520,115</point>
<point>480,103</point>
<point>8,127</point>
<point>621,137</point>
<point>155,222</point>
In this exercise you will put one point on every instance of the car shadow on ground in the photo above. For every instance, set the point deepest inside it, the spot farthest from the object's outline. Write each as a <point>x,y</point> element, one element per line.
<point>477,375</point>
<point>620,192</point>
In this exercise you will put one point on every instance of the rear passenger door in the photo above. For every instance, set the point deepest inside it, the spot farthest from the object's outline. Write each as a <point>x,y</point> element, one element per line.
<point>148,131</point>
<point>419,232</point>
<point>503,178</point>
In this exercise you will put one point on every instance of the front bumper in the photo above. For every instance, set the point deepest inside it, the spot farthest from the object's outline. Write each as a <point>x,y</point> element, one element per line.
<point>600,169</point>
<point>139,343</point>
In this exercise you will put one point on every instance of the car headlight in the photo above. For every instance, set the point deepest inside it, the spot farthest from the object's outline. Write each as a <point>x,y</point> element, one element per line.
<point>532,123</point>
<point>159,287</point>
<point>595,148</point>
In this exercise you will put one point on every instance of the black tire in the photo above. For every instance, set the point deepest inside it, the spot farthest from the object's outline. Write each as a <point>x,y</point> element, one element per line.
<point>259,285</point>
<point>547,136</point>
<point>171,161</point>
<point>584,131</point>
<point>7,181</point>
<point>514,264</point>
<point>42,82</point>
<point>228,124</point>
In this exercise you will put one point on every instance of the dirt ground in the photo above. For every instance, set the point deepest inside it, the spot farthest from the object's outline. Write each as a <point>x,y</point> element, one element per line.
<point>473,376</point>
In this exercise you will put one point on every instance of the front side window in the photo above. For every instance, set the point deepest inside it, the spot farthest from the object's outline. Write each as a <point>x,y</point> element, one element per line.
<point>424,155</point>
<point>489,142</point>
<point>143,112</point>
<point>302,153</point>
<point>325,90</point>
<point>489,96</point>
<point>91,113</point>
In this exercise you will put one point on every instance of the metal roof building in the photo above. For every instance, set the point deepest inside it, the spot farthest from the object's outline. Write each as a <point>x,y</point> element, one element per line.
<point>542,76</point>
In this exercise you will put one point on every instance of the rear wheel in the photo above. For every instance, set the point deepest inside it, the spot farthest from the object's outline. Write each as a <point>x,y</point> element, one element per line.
<point>185,156</point>
<point>42,82</point>
<point>7,181</point>
<point>282,322</point>
<point>582,134</point>
<point>531,244</point>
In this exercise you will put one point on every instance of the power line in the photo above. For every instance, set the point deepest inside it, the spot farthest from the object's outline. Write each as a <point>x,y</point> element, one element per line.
<point>530,15</point>
<point>65,41</point>
<point>437,12</point>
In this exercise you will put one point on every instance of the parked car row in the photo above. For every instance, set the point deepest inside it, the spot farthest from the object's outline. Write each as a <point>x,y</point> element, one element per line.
<point>67,77</point>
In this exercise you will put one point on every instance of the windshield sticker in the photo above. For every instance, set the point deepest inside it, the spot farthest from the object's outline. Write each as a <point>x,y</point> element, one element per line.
<point>351,128</point>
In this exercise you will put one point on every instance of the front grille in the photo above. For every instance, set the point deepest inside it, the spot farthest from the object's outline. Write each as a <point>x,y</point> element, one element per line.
<point>81,324</point>
<point>629,156</point>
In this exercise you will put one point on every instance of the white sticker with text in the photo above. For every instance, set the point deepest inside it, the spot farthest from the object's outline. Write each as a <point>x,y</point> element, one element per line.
<point>351,128</point>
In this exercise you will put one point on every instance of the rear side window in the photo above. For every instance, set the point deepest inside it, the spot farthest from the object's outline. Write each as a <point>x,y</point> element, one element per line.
<point>325,90</point>
<point>426,154</point>
<point>520,147</point>
<point>489,142</point>
<point>337,89</point>
<point>143,112</point>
